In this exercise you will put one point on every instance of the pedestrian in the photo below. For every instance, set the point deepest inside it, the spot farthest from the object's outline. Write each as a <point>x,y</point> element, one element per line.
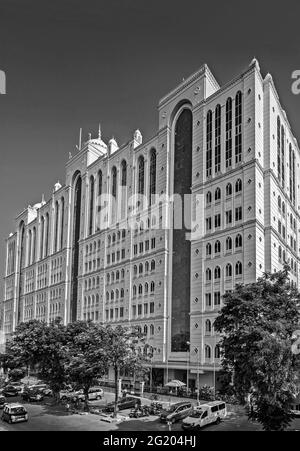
<point>68,407</point>
<point>170,425</point>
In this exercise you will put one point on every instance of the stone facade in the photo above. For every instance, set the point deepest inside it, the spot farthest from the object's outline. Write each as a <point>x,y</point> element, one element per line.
<point>244,162</point>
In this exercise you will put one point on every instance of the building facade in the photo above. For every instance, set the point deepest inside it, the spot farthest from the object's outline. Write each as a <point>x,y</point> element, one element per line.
<point>225,155</point>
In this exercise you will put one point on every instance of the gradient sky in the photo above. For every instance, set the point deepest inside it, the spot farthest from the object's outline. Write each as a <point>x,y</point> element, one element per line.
<point>75,63</point>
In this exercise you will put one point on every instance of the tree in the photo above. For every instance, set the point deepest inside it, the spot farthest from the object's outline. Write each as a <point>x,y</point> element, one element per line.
<point>123,353</point>
<point>258,322</point>
<point>35,343</point>
<point>86,360</point>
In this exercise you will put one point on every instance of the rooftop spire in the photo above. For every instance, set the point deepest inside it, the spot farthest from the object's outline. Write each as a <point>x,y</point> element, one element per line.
<point>99,131</point>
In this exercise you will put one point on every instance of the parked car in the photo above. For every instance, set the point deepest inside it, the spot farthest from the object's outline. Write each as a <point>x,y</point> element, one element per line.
<point>211,412</point>
<point>18,385</point>
<point>68,395</point>
<point>176,412</point>
<point>30,394</point>
<point>125,403</point>
<point>10,390</point>
<point>94,393</point>
<point>14,413</point>
<point>42,388</point>
<point>2,401</point>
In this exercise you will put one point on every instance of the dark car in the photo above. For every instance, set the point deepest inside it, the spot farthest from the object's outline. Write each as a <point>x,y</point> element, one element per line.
<point>32,395</point>
<point>125,403</point>
<point>10,390</point>
<point>176,412</point>
<point>2,401</point>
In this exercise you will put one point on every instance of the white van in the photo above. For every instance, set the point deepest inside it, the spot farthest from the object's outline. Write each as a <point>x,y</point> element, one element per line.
<point>211,412</point>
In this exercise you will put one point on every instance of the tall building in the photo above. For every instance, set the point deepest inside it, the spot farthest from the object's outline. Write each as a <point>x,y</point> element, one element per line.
<point>225,155</point>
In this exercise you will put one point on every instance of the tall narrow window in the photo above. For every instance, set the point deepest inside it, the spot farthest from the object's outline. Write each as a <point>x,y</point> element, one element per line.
<point>123,199</point>
<point>228,150</point>
<point>34,245</point>
<point>62,220</point>
<point>56,210</point>
<point>141,178</point>
<point>282,156</point>
<point>238,127</point>
<point>29,247</point>
<point>114,194</point>
<point>208,143</point>
<point>75,249</point>
<point>91,221</point>
<point>218,139</point>
<point>279,148</point>
<point>293,177</point>
<point>152,176</point>
<point>47,224</point>
<point>42,226</point>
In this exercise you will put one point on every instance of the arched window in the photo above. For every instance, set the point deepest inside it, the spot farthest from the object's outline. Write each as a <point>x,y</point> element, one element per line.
<point>91,221</point>
<point>208,198</point>
<point>123,173</point>
<point>208,143</point>
<point>228,189</point>
<point>112,295</point>
<point>141,175</point>
<point>279,253</point>
<point>134,290</point>
<point>218,194</point>
<point>107,296</point>
<point>151,329</point>
<point>29,247</point>
<point>228,270</point>
<point>238,240</point>
<point>140,288</point>
<point>145,330</point>
<point>141,268</point>
<point>217,352</point>
<point>122,293</point>
<point>208,249</point>
<point>218,139</point>
<point>283,208</point>
<point>207,326</point>
<point>217,247</point>
<point>117,294</point>
<point>42,232</point>
<point>228,138</point>
<point>152,287</point>
<point>146,266</point>
<point>228,243</point>
<point>238,127</point>
<point>34,245</point>
<point>207,352</point>
<point>217,272</point>
<point>152,181</point>
<point>47,224</point>
<point>152,265</point>
<point>146,288</point>
<point>62,222</point>
<point>56,211</point>
<point>135,270</point>
<point>208,274</point>
<point>238,269</point>
<point>238,185</point>
<point>114,193</point>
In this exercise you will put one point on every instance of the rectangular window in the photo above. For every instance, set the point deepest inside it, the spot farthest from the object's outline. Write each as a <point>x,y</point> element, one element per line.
<point>135,249</point>
<point>208,299</point>
<point>228,217</point>
<point>123,253</point>
<point>121,312</point>
<point>134,310</point>
<point>238,214</point>
<point>111,313</point>
<point>147,245</point>
<point>139,309</point>
<point>151,307</point>
<point>208,224</point>
<point>217,220</point>
<point>152,243</point>
<point>141,248</point>
<point>145,309</point>
<point>217,298</point>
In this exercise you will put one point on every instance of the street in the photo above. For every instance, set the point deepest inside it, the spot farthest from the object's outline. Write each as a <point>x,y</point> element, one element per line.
<point>46,417</point>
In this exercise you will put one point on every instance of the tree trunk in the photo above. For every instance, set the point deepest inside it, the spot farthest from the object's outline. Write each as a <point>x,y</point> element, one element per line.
<point>86,399</point>
<point>116,392</point>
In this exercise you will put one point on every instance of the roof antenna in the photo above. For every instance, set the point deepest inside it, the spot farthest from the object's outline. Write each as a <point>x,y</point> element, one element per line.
<point>99,131</point>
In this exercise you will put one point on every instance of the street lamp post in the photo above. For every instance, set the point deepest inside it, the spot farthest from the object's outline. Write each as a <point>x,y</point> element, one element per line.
<point>187,365</point>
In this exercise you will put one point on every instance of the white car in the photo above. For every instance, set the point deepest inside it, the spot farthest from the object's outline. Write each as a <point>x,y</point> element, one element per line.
<point>211,412</point>
<point>14,413</point>
<point>95,393</point>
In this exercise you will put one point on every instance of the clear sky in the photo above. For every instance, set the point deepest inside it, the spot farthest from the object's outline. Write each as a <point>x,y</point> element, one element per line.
<point>75,63</point>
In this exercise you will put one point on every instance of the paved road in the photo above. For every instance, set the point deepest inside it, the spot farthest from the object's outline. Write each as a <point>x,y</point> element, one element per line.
<point>44,417</point>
